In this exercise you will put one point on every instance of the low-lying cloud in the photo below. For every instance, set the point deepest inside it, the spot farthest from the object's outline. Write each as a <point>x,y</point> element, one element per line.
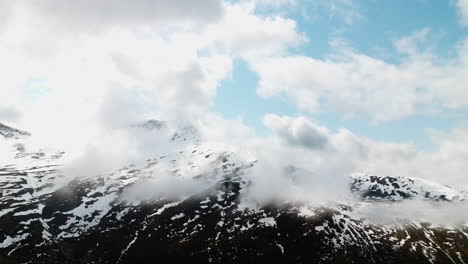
<point>298,131</point>
<point>9,114</point>
<point>104,66</point>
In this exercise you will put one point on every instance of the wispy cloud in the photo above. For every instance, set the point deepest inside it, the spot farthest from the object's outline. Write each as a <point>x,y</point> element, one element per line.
<point>462,6</point>
<point>354,84</point>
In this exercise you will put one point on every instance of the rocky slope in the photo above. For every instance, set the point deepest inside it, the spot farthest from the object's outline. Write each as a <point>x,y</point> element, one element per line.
<point>45,217</point>
<point>9,132</point>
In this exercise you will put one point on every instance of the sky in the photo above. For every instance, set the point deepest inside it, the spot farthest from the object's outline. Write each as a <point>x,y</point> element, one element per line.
<point>375,86</point>
<point>370,28</point>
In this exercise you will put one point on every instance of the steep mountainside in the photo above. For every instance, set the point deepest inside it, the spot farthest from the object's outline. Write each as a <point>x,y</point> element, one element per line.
<point>45,217</point>
<point>9,132</point>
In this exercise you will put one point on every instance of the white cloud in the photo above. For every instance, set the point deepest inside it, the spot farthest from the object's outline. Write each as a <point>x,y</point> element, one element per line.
<point>355,84</point>
<point>244,34</point>
<point>136,67</point>
<point>165,69</point>
<point>324,160</point>
<point>298,131</point>
<point>323,174</point>
<point>9,114</point>
<point>462,6</point>
<point>446,164</point>
<point>97,15</point>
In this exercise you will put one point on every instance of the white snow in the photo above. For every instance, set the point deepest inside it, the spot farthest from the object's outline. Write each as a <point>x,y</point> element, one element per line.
<point>177,216</point>
<point>162,209</point>
<point>11,240</point>
<point>280,247</point>
<point>268,221</point>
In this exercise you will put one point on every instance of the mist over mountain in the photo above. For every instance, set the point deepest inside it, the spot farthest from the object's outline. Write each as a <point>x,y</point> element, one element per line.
<point>233,131</point>
<point>9,132</point>
<point>197,202</point>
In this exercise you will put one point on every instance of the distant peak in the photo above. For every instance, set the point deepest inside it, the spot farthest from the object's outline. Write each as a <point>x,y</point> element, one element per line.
<point>151,124</point>
<point>10,132</point>
<point>399,188</point>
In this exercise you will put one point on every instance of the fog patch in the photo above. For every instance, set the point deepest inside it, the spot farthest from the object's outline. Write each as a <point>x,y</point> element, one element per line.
<point>9,114</point>
<point>454,213</point>
<point>117,148</point>
<point>288,173</point>
<point>298,131</point>
<point>164,184</point>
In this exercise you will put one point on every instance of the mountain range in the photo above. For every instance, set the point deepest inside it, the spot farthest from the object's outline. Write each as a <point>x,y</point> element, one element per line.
<point>47,216</point>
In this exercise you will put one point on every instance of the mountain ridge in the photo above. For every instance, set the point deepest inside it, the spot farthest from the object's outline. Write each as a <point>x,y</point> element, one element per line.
<point>10,132</point>
<point>115,217</point>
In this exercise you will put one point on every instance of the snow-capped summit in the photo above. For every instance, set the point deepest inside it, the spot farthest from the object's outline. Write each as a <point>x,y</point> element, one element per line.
<point>399,188</point>
<point>186,205</point>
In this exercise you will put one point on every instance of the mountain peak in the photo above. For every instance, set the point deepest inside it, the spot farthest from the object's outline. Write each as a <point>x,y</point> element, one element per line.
<point>399,188</point>
<point>10,132</point>
<point>151,124</point>
<point>187,204</point>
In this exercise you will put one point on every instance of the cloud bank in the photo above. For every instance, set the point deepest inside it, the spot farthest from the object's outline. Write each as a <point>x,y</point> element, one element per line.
<point>355,84</point>
<point>81,72</point>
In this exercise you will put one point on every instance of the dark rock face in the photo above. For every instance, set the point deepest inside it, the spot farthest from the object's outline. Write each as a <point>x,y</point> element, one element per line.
<point>47,218</point>
<point>9,132</point>
<point>210,227</point>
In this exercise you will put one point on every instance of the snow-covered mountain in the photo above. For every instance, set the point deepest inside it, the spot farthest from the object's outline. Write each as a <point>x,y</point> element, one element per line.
<point>399,188</point>
<point>9,132</point>
<point>145,213</point>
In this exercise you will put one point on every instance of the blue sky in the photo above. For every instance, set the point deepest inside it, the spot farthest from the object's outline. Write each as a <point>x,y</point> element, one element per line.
<point>373,32</point>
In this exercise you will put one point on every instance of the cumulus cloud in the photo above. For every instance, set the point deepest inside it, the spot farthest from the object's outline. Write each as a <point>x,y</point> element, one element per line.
<point>276,3</point>
<point>445,164</point>
<point>103,65</point>
<point>298,131</point>
<point>303,161</point>
<point>324,174</point>
<point>80,92</point>
<point>290,173</point>
<point>353,83</point>
<point>9,114</point>
<point>246,35</point>
<point>170,74</point>
<point>90,16</point>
